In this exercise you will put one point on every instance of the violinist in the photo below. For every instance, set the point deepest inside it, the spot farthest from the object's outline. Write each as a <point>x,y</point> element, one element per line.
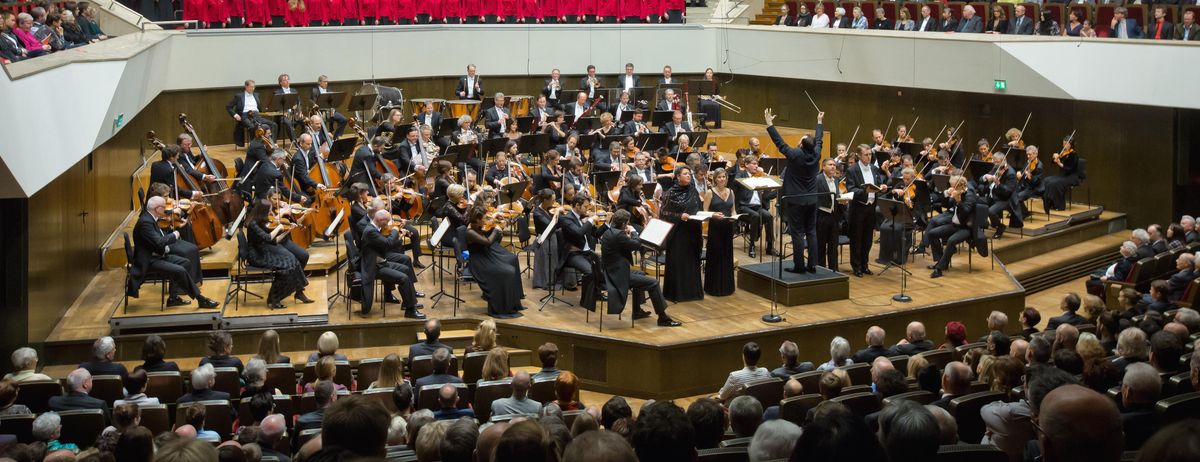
<point>641,168</point>
<point>548,255</point>
<point>455,210</point>
<point>499,269</point>
<point>944,166</point>
<point>894,240</point>
<point>881,145</point>
<point>160,250</point>
<point>952,227</point>
<point>570,148</point>
<point>551,175</point>
<point>1029,179</point>
<point>998,193</point>
<point>579,232</point>
<point>929,155</point>
<point>753,148</point>
<point>711,155</point>
<point>755,207</point>
<point>664,168</point>
<point>1056,186</point>
<point>633,199</point>
<point>380,259</point>
<point>860,179</point>
<point>702,182</point>
<point>362,169</point>
<point>984,150</point>
<point>952,145</point>
<point>719,199</point>
<point>842,156</point>
<point>269,176</point>
<point>163,171</point>
<point>359,196</point>
<point>1013,135</point>
<point>829,215</point>
<point>892,166</point>
<point>397,199</point>
<point>619,242</point>
<point>682,146</point>
<point>635,126</point>
<point>902,135</point>
<point>267,237</point>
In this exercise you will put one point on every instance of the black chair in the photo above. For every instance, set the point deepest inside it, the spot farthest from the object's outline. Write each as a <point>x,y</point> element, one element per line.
<point>36,394</point>
<point>342,374</point>
<point>109,388</point>
<point>284,406</point>
<point>737,454</point>
<point>281,377</point>
<point>423,365</point>
<point>768,391</point>
<point>153,277</point>
<point>427,397</point>
<point>542,389</point>
<point>920,396</point>
<point>155,418</point>
<point>1178,407</point>
<point>856,389</point>
<point>1178,384</point>
<point>368,371</point>
<point>228,380</point>
<point>308,401</point>
<point>809,381</point>
<point>218,416</point>
<point>940,358</point>
<point>795,409</point>
<point>965,410</point>
<point>245,274</point>
<point>384,396</point>
<point>487,392</point>
<point>960,351</point>
<point>307,435</point>
<point>472,369</point>
<point>20,426</point>
<point>900,362</point>
<point>570,416</point>
<point>970,453</point>
<point>81,427</point>
<point>860,404</point>
<point>860,374</point>
<point>167,386</point>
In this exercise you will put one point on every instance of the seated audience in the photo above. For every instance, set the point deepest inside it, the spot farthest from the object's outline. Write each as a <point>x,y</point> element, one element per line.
<point>773,440</point>
<point>220,351</point>
<point>749,371</point>
<point>839,355</point>
<point>391,373</point>
<point>1132,347</point>
<point>566,388</point>
<point>78,387</point>
<point>8,399</point>
<point>1165,349</point>
<point>1069,305</point>
<point>745,414</point>
<point>448,404</point>
<point>663,432</point>
<point>1140,389</point>
<point>956,381</point>
<point>268,349</point>
<point>324,395</point>
<point>914,341</point>
<point>441,371</point>
<point>271,431</point>
<point>402,398</point>
<point>1078,424</point>
<point>519,402</point>
<point>791,388</point>
<point>104,349</point>
<point>1030,317</point>
<point>203,379</point>
<point>709,422</point>
<point>47,428</point>
<point>495,366</point>
<point>356,424</point>
<point>485,337</point>
<point>327,345</point>
<point>956,335</point>
<point>433,331</point>
<point>24,361</point>
<point>195,415</point>
<point>874,349</point>
<point>135,390</point>
<point>154,352</point>
<point>326,370</point>
<point>548,355</point>
<point>789,353</point>
<point>908,431</point>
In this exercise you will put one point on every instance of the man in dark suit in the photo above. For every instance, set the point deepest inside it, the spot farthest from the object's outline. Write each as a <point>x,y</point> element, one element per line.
<point>945,238</point>
<point>997,190</point>
<point>1178,282</point>
<point>497,118</point>
<point>1160,28</point>
<point>862,177</point>
<point>469,86</point>
<point>948,23</point>
<point>381,256</point>
<point>270,175</point>
<point>829,215</point>
<point>163,171</point>
<point>874,349</point>
<point>914,341</point>
<point>433,332</point>
<point>339,120</point>
<point>272,429</point>
<point>362,169</point>
<point>970,23</point>
<point>619,242</point>
<point>245,108</point>
<point>573,111</point>
<point>789,353</point>
<point>1188,29</point>
<point>754,205</point>
<point>303,160</point>
<point>1141,237</point>
<point>430,117</point>
<point>553,89</point>
<point>666,78</point>
<point>629,79</point>
<point>636,125</point>
<point>670,101</point>
<point>79,385</point>
<point>324,395</point>
<point>203,379</point>
<point>1124,27</point>
<point>956,381</point>
<point>402,153</point>
<point>675,127</point>
<point>622,107</point>
<point>927,23</point>
<point>1020,24</point>
<point>1029,178</point>
<point>578,244</point>
<point>1157,242</point>
<point>799,186</point>
<point>448,404</point>
<point>161,251</point>
<point>1069,305</point>
<point>103,352</point>
<point>1141,388</point>
<point>441,371</point>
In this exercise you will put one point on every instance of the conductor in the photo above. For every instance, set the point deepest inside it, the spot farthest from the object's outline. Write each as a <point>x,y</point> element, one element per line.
<point>799,200</point>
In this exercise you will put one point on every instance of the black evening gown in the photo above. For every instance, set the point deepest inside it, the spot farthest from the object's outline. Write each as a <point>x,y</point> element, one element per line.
<point>718,265</point>
<point>681,282</point>
<point>267,253</point>
<point>497,271</point>
<point>1055,195</point>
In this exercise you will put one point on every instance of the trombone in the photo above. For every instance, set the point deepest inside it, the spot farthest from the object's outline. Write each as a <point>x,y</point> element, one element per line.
<point>722,102</point>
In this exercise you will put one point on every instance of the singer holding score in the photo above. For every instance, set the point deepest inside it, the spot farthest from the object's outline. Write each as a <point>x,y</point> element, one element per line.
<point>799,201</point>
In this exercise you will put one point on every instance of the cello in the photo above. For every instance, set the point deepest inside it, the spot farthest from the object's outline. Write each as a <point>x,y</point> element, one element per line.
<point>327,200</point>
<point>226,202</point>
<point>206,226</point>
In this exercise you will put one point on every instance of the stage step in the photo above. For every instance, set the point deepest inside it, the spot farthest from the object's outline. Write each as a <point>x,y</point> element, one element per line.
<point>1067,263</point>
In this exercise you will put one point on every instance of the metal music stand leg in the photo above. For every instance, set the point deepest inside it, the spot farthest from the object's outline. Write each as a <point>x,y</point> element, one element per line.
<point>551,297</point>
<point>337,272</point>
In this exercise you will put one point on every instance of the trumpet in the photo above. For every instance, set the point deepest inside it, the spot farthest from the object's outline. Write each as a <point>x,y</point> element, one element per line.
<point>722,102</point>
<point>593,81</point>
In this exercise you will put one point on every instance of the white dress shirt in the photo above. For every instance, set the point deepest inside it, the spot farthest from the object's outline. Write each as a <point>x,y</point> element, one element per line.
<point>868,178</point>
<point>820,20</point>
<point>250,103</point>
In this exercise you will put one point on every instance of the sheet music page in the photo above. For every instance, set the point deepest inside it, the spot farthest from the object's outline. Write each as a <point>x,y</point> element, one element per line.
<point>760,182</point>
<point>435,240</point>
<point>549,229</point>
<point>702,215</point>
<point>656,232</point>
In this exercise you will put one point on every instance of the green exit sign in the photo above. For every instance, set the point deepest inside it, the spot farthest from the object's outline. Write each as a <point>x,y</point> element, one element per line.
<point>1001,85</point>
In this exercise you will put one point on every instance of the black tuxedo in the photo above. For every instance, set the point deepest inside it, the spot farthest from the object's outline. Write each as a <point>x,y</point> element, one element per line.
<point>616,260</point>
<point>105,368</point>
<point>237,106</point>
<point>268,176</point>
<point>577,236</point>
<point>799,182</point>
<point>931,26</point>
<point>631,128</point>
<point>302,162</point>
<point>569,110</point>
<point>379,256</point>
<point>491,120</point>
<point>536,113</point>
<point>158,250</point>
<point>1030,186</point>
<point>463,88</point>
<point>433,120</point>
<point>948,235</point>
<point>1000,197</point>
<point>637,81</point>
<point>338,120</point>
<point>164,172</point>
<point>829,216</point>
<point>862,214</point>
<point>674,131</point>
<point>362,169</point>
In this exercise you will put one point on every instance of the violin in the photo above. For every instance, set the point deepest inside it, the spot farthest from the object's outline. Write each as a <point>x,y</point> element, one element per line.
<point>174,219</point>
<point>667,164</point>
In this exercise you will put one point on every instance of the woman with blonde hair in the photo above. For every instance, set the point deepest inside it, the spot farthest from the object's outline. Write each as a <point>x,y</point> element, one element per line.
<point>915,364</point>
<point>327,345</point>
<point>268,349</point>
<point>1088,347</point>
<point>1093,306</point>
<point>495,367</point>
<point>326,369</point>
<point>391,373</point>
<point>485,337</point>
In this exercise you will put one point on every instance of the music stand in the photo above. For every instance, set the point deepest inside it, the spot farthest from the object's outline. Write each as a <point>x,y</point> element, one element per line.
<point>508,194</point>
<point>626,116</point>
<point>939,182</point>
<point>713,165</point>
<point>1015,158</point>
<point>912,149</point>
<point>586,124</point>
<point>586,142</point>
<point>448,125</point>
<point>525,124</point>
<point>773,165</point>
<point>660,118</point>
<point>330,100</point>
<point>978,168</point>
<point>362,102</point>
<point>879,157</point>
<point>651,142</point>
<point>696,139</point>
<point>537,143</point>
<point>337,252</point>
<point>490,147</point>
<point>456,153</point>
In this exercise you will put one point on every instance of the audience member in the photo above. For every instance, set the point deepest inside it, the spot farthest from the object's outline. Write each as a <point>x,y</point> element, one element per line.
<point>220,351</point>
<point>441,370</point>
<point>947,426</point>
<point>956,335</point>
<point>1165,350</point>
<point>1132,347</point>
<point>154,352</point>
<point>485,337</point>
<point>402,398</point>
<point>838,435</point>
<point>749,371</point>
<point>186,450</point>
<point>358,424</point>
<point>495,366</point>
<point>448,404</point>
<point>524,441</point>
<point>135,390</point>
<point>391,373</point>
<point>433,331</point>
<point>914,341</point>
<point>24,361</point>
<point>566,389</point>
<point>791,388</point>
<point>254,378</point>
<point>1030,317</point>
<point>663,433</point>
<point>519,402</point>
<point>325,396</point>
<point>8,398</point>
<point>839,355</point>
<point>773,440</point>
<point>1178,442</point>
<point>458,442</point>
<point>326,370</point>
<point>745,414</point>
<point>271,431</point>
<point>789,353</point>
<point>1069,305</point>
<point>1078,424</point>
<point>104,349</point>
<point>874,349</point>
<point>203,379</point>
<point>195,415</point>
<point>79,385</point>
<point>956,381</point>
<point>599,447</point>
<point>327,345</point>
<point>614,409</point>
<point>709,422</point>
<point>1089,347</point>
<point>548,355</point>
<point>429,441</point>
<point>1018,349</point>
<point>1069,361</point>
<point>998,343</point>
<point>909,432</point>
<point>47,428</point>
<point>268,349</point>
<point>1140,389</point>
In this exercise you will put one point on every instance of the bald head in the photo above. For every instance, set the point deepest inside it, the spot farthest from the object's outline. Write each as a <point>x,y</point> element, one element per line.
<point>915,332</point>
<point>382,216</point>
<point>1066,336</point>
<point>792,388</point>
<point>272,427</point>
<point>956,379</point>
<point>1079,424</point>
<point>448,396</point>
<point>1177,328</point>
<point>880,365</point>
<point>1018,349</point>
<point>489,437</point>
<point>875,336</point>
<point>521,384</point>
<point>186,432</point>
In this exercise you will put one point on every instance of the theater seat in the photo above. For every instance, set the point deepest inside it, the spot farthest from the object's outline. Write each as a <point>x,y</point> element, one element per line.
<point>36,395</point>
<point>960,351</point>
<point>427,398</point>
<point>81,427</point>
<point>738,454</point>
<point>167,386</point>
<point>768,391</point>
<point>860,404</point>
<point>965,410</point>
<point>218,416</point>
<point>281,377</point>
<point>229,381</point>
<point>1178,407</point>
<point>860,374</point>
<point>742,442</point>
<point>900,363</point>
<point>970,453</point>
<point>108,388</point>
<point>384,396</point>
<point>570,416</point>
<point>488,392</point>
<point>423,366</point>
<point>795,409</point>
<point>810,381</point>
<point>921,396</point>
<point>939,358</point>
<point>368,372</point>
<point>155,418</point>
<point>20,426</point>
<point>542,389</point>
<point>472,369</point>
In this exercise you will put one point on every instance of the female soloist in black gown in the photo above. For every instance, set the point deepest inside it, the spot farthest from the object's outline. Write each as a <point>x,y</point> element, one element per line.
<point>682,279</point>
<point>1055,196</point>
<point>718,265</point>
<point>497,270</point>
<point>267,252</point>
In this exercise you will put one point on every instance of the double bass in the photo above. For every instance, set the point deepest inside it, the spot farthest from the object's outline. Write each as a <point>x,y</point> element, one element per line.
<point>226,202</point>
<point>206,226</point>
<point>327,200</point>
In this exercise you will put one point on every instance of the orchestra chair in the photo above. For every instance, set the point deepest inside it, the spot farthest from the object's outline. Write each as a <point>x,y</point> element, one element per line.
<point>167,386</point>
<point>860,404</point>
<point>487,392</point>
<point>768,391</point>
<point>979,236</point>
<point>602,306</point>
<point>82,426</point>
<point>155,418</point>
<point>737,454</point>
<point>19,425</point>
<point>383,396</point>
<point>245,274</point>
<point>368,371</point>
<point>795,409</point>
<point>963,452</point>
<point>472,369</point>
<point>920,396</point>
<point>153,277</point>
<point>36,394</point>
<point>108,388</point>
<point>423,365</point>
<point>462,267</point>
<point>378,286</point>
<point>229,381</point>
<point>965,410</point>
<point>281,377</point>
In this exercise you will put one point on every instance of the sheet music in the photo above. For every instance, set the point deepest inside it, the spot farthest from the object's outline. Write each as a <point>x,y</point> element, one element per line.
<point>706,215</point>
<point>656,231</point>
<point>760,182</point>
<point>435,240</point>
<point>549,229</point>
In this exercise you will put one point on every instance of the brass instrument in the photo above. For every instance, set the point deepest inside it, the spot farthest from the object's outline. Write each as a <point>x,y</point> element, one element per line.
<point>593,81</point>
<point>720,100</point>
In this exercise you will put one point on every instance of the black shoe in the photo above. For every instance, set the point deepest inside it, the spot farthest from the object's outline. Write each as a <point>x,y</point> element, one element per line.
<point>933,266</point>
<point>640,314</point>
<point>420,294</point>
<point>206,302</point>
<point>811,269</point>
<point>795,269</point>
<point>999,232</point>
<point>300,297</point>
<point>752,252</point>
<point>668,322</point>
<point>391,299</point>
<point>413,313</point>
<point>418,265</point>
<point>276,305</point>
<point>937,273</point>
<point>771,251</point>
<point>858,274</point>
<point>867,271</point>
<point>571,289</point>
<point>176,300</point>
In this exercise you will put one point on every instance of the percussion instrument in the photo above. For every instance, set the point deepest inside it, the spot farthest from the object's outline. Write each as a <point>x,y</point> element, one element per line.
<point>386,99</point>
<point>418,105</point>
<point>462,107</point>
<point>518,105</point>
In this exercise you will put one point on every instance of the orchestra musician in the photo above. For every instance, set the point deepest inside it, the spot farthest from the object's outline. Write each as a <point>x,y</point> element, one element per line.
<point>623,105</point>
<point>957,226</point>
<point>469,86</point>
<point>553,88</point>
<point>929,155</point>
<point>881,146</point>
<point>293,117</point>
<point>577,109</point>
<point>455,210</point>
<point>636,126</point>
<point>185,142</point>
<point>549,176</point>
<point>902,135</point>
<point>270,175</point>
<point>710,108</point>
<point>669,102</point>
<point>603,153</point>
<point>570,148</point>
<point>755,206</point>
<point>860,177</point>
<point>632,198</point>
<point>362,169</point>
<point>629,80</point>
<point>359,196</point>
<point>304,159</point>
<point>718,269</point>
<point>753,147</point>
<point>983,150</point>
<point>501,167</point>
<point>676,126</point>
<point>998,192</point>
<point>579,231</point>
<point>163,171</point>
<point>641,167</point>
<point>497,118</point>
<point>319,136</point>
<point>1030,178</point>
<point>379,258</point>
<point>1013,135</point>
<point>339,120</point>
<point>244,108</point>
<point>619,243</point>
<point>681,281</point>
<point>547,255</point>
<point>575,175</point>
<point>395,202</point>
<point>799,184</point>
<point>894,240</point>
<point>161,250</point>
<point>408,155</point>
<point>501,270</point>
<point>430,117</point>
<point>269,247</point>
<point>830,210</point>
<point>1069,175</point>
<point>541,112</point>
<point>700,179</point>
<point>591,85</point>
<point>443,178</point>
<point>666,78</point>
<point>841,156</point>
